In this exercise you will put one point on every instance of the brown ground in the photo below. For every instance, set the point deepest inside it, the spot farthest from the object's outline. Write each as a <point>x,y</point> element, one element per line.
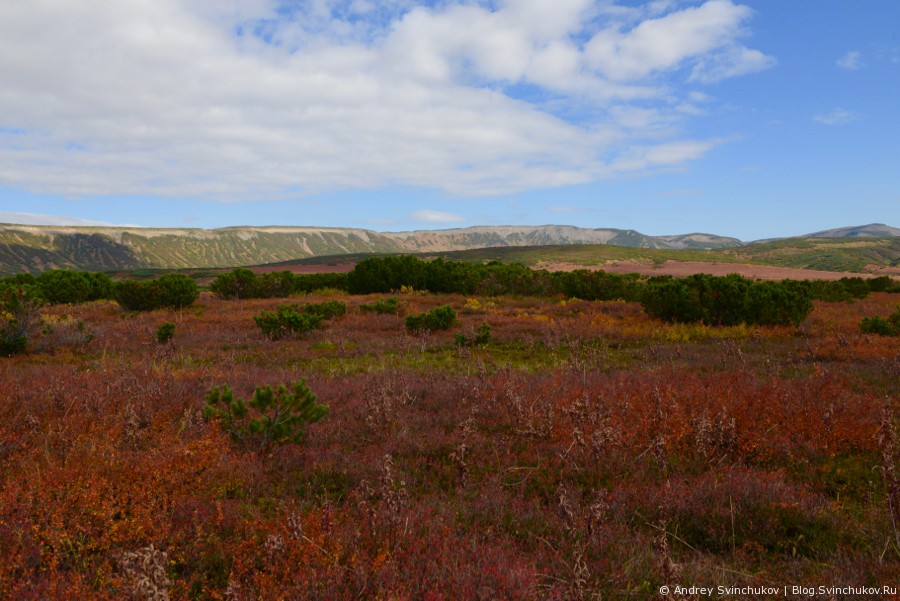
<point>685,268</point>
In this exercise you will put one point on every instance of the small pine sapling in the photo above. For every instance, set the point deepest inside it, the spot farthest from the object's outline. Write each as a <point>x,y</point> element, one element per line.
<point>165,332</point>
<point>483,334</point>
<point>271,416</point>
<point>481,337</point>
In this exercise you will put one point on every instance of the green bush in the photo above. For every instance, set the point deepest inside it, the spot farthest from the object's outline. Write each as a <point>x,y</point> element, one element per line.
<point>172,291</point>
<point>389,305</point>
<point>726,301</point>
<point>482,337</point>
<point>165,332</point>
<point>18,313</point>
<point>311,282</point>
<point>175,290</point>
<point>441,318</point>
<point>483,334</point>
<point>889,326</point>
<point>882,283</point>
<point>270,417</point>
<point>285,321</point>
<point>325,310</point>
<point>240,283</point>
<point>292,320</point>
<point>59,286</point>
<point>244,283</point>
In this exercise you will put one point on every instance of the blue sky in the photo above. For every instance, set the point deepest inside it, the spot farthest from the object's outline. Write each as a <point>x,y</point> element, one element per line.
<point>752,119</point>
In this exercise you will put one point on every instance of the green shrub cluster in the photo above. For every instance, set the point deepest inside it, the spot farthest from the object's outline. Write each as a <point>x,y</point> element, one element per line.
<point>270,417</point>
<point>386,306</point>
<point>848,288</point>
<point>165,332</point>
<point>18,313</point>
<point>170,291</point>
<point>325,310</point>
<point>294,320</point>
<point>441,318</point>
<point>58,286</point>
<point>726,301</point>
<point>244,283</point>
<point>386,274</point>
<point>482,336</point>
<point>889,326</point>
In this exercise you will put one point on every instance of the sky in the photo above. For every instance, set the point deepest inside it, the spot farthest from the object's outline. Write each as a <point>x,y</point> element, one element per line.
<point>754,119</point>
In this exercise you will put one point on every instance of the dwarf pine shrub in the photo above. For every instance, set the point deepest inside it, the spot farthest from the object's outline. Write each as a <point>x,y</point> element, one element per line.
<point>285,321</point>
<point>386,306</point>
<point>270,417</point>
<point>481,337</point>
<point>441,318</point>
<point>18,313</point>
<point>171,291</point>
<point>889,326</point>
<point>165,332</point>
<point>295,320</point>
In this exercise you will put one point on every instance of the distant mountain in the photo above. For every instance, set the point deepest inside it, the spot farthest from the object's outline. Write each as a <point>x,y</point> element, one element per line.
<point>873,230</point>
<point>547,235</point>
<point>31,248</point>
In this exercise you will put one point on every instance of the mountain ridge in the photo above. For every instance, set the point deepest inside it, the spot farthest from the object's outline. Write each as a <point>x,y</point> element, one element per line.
<point>871,230</point>
<point>35,248</point>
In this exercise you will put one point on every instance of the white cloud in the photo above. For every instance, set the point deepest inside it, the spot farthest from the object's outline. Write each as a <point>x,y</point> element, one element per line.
<point>707,33</point>
<point>851,61</point>
<point>436,217</point>
<point>734,62</point>
<point>240,100</point>
<point>836,116</point>
<point>40,219</point>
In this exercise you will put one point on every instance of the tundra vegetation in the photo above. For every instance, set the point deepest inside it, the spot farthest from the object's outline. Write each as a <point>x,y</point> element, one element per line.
<point>570,436</point>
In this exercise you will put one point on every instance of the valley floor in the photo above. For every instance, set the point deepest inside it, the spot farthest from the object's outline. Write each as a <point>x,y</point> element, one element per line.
<point>584,452</point>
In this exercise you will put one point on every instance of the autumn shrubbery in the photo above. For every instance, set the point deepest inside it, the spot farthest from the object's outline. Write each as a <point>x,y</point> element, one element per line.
<point>726,301</point>
<point>385,306</point>
<point>165,333</point>
<point>883,326</point>
<point>170,291</point>
<point>244,283</point>
<point>270,417</point>
<point>440,318</point>
<point>293,320</point>
<point>18,314</point>
<point>480,337</point>
<point>587,451</point>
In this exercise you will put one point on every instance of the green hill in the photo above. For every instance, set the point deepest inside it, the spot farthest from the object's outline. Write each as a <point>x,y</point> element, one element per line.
<point>39,248</point>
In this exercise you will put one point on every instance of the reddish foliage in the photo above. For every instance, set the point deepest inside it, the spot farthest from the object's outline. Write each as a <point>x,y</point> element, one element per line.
<point>586,449</point>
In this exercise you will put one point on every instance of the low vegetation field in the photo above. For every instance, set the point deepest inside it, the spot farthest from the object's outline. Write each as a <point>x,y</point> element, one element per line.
<point>569,450</point>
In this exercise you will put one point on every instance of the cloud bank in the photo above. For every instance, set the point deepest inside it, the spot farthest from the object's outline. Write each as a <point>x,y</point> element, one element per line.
<point>42,219</point>
<point>259,99</point>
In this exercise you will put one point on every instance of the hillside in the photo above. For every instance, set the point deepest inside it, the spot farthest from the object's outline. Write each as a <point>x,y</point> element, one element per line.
<point>873,230</point>
<point>832,254</point>
<point>26,248</point>
<point>34,249</point>
<point>38,248</point>
<point>825,254</point>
